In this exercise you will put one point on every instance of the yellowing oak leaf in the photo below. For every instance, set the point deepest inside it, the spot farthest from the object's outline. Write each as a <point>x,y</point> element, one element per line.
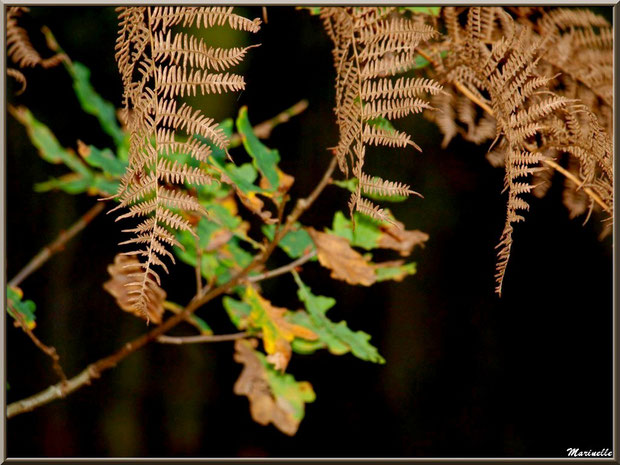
<point>123,272</point>
<point>347,264</point>
<point>274,397</point>
<point>278,333</point>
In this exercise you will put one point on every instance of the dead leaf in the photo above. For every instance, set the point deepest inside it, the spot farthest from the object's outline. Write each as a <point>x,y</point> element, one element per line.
<point>347,264</point>
<point>121,272</point>
<point>265,405</point>
<point>399,239</point>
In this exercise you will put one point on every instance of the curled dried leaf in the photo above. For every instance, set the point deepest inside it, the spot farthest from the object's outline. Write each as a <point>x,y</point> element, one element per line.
<point>402,240</point>
<point>347,264</point>
<point>123,272</point>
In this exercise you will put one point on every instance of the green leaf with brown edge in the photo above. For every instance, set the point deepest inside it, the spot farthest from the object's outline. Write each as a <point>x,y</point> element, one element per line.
<point>25,308</point>
<point>394,271</point>
<point>274,397</point>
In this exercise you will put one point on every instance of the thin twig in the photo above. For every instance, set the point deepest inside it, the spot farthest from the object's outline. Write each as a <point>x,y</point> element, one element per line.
<point>94,370</point>
<point>46,252</point>
<point>283,269</point>
<point>163,339</point>
<point>263,130</point>
<point>50,351</point>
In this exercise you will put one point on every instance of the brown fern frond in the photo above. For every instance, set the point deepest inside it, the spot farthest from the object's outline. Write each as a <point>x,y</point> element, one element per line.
<point>401,88</point>
<point>178,81</point>
<point>444,116</point>
<point>394,108</point>
<point>19,77</point>
<point>366,207</point>
<point>582,54</point>
<point>122,282</point>
<point>370,45</point>
<point>193,146</point>
<point>509,70</point>
<point>186,50</point>
<point>204,17</point>
<point>156,66</point>
<point>174,172</point>
<point>20,49</point>
<point>389,138</point>
<point>565,18</point>
<point>190,121</point>
<point>376,185</point>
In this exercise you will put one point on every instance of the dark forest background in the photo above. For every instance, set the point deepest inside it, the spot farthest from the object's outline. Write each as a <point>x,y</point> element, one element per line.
<point>467,374</point>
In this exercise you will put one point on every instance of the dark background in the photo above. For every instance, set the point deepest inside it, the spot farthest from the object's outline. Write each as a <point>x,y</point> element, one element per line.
<point>467,374</point>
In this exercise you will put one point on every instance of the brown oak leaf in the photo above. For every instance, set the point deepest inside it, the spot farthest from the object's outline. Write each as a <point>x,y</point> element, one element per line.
<point>347,264</point>
<point>399,239</point>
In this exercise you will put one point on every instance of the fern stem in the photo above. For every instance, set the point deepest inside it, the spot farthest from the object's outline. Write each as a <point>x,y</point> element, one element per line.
<point>57,245</point>
<point>94,370</point>
<point>578,182</point>
<point>593,195</point>
<point>143,299</point>
<point>360,161</point>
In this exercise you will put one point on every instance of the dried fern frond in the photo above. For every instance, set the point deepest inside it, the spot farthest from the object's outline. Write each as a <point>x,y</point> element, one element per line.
<point>19,77</point>
<point>20,49</point>
<point>157,65</point>
<point>581,56</point>
<point>122,285</point>
<point>376,185</point>
<point>502,64</point>
<point>370,46</point>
